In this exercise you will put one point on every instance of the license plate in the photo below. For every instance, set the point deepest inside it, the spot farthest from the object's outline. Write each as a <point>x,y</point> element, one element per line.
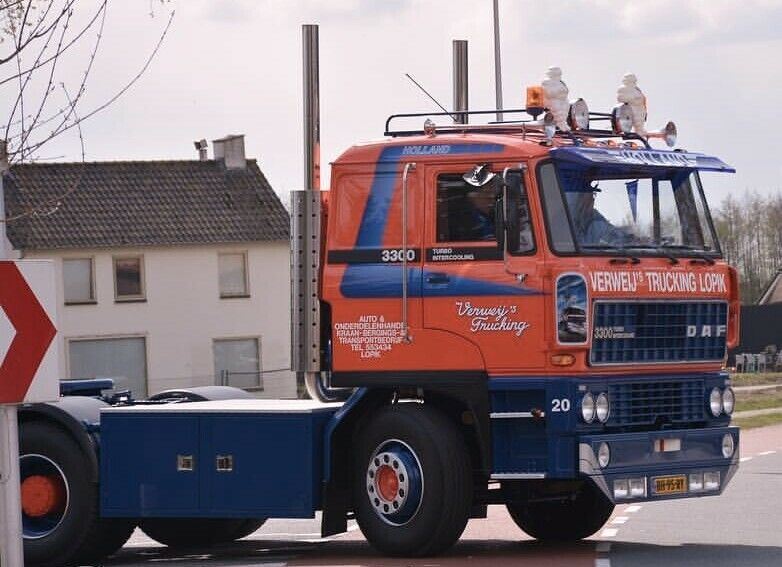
<point>670,484</point>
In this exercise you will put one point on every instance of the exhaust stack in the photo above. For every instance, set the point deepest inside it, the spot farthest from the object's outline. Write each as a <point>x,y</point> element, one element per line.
<point>306,239</point>
<point>460,81</point>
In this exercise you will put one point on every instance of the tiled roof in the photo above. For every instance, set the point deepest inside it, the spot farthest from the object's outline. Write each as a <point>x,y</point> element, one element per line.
<point>140,203</point>
<point>773,293</point>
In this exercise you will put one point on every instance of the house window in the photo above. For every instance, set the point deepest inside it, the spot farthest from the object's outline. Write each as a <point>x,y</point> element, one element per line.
<point>122,359</point>
<point>233,274</point>
<point>78,280</point>
<point>129,278</point>
<point>238,363</point>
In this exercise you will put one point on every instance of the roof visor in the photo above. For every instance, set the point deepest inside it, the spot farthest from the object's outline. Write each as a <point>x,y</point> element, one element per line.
<point>636,160</point>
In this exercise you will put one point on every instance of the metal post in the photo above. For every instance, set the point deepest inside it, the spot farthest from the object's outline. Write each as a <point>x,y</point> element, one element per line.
<point>305,231</point>
<point>11,545</point>
<point>460,81</point>
<point>309,34</point>
<point>497,63</point>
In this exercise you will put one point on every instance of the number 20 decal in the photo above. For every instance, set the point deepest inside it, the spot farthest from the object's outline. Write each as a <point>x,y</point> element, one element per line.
<point>560,405</point>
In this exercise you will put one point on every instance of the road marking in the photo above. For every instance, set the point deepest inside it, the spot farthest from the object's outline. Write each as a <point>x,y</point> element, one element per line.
<point>745,459</point>
<point>603,548</point>
<point>764,453</point>
<point>620,520</point>
<point>608,532</point>
<point>632,509</point>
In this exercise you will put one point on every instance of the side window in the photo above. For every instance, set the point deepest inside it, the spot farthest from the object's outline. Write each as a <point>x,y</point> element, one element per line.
<point>518,206</point>
<point>465,213</point>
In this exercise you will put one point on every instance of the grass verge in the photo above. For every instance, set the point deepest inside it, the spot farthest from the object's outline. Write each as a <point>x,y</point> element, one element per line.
<point>756,379</point>
<point>758,420</point>
<point>763,399</point>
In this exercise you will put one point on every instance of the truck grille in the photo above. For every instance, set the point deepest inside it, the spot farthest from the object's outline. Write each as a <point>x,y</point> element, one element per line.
<point>644,403</point>
<point>637,332</point>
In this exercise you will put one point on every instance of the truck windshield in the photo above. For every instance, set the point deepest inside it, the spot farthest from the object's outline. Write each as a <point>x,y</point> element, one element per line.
<point>593,211</point>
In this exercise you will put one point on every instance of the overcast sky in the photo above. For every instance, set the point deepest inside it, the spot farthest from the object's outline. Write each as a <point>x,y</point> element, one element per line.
<point>234,66</point>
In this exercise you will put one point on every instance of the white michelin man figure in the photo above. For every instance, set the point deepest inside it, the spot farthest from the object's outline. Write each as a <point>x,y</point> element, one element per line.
<point>555,97</point>
<point>630,93</point>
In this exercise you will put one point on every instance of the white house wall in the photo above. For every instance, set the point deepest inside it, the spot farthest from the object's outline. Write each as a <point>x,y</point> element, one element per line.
<point>183,312</point>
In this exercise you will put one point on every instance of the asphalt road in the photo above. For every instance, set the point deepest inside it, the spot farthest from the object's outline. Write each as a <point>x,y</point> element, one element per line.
<point>743,527</point>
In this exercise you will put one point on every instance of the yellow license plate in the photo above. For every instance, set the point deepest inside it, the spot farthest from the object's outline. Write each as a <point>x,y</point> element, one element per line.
<point>670,484</point>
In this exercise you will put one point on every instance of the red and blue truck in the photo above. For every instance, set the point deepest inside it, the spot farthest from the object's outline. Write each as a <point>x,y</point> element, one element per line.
<point>517,313</point>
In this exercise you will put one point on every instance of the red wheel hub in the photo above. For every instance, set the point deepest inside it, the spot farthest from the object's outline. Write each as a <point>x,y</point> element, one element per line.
<point>387,483</point>
<point>42,495</point>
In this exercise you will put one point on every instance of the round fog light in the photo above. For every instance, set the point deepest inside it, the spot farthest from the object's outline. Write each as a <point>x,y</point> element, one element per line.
<point>604,455</point>
<point>728,400</point>
<point>715,402</point>
<point>602,408</point>
<point>588,408</point>
<point>727,446</point>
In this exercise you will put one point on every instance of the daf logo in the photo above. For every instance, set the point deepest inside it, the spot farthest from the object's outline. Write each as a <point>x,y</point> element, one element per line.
<point>706,330</point>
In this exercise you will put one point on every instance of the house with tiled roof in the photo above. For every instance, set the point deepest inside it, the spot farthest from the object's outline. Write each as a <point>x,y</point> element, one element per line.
<point>773,293</point>
<point>170,273</point>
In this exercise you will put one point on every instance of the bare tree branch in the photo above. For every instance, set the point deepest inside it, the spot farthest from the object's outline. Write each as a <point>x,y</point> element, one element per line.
<point>64,126</point>
<point>40,31</point>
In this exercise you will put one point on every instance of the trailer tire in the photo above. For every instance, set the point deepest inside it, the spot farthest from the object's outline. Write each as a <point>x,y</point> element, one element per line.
<point>564,520</point>
<point>412,485</point>
<point>60,504</point>
<point>186,533</point>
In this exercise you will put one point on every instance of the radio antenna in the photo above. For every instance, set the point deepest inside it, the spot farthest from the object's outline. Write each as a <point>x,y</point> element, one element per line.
<point>417,84</point>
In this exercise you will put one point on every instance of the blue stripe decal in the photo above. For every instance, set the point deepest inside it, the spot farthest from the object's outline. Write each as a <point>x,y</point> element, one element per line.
<point>375,218</point>
<point>378,281</point>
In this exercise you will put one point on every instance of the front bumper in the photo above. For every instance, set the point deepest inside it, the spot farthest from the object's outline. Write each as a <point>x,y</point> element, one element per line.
<point>642,456</point>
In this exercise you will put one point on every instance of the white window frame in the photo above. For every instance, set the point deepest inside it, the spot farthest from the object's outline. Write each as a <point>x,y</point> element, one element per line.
<point>142,276</point>
<point>94,292</point>
<point>245,265</point>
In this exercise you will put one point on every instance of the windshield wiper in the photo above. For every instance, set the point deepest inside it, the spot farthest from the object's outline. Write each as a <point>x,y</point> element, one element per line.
<point>694,251</point>
<point>672,259</point>
<point>619,249</point>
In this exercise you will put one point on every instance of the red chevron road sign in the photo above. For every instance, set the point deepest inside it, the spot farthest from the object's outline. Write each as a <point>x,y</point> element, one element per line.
<point>33,333</point>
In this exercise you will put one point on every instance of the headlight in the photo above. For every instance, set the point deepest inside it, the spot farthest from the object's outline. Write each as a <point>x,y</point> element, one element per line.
<point>602,408</point>
<point>669,133</point>
<point>715,402</point>
<point>727,446</point>
<point>603,455</point>
<point>549,126</point>
<point>622,119</point>
<point>728,400</point>
<point>578,116</point>
<point>588,408</point>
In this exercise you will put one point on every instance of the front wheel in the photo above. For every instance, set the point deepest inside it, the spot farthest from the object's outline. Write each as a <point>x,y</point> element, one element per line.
<point>61,522</point>
<point>574,516</point>
<point>412,482</point>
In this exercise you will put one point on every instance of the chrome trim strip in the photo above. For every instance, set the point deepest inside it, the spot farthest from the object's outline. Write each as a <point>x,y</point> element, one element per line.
<point>514,414</point>
<point>517,476</point>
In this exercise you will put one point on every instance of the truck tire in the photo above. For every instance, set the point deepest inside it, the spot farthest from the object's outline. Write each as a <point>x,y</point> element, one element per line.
<point>412,481</point>
<point>568,519</point>
<point>198,532</point>
<point>60,507</point>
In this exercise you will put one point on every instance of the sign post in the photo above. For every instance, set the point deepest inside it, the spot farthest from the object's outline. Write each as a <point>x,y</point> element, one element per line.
<point>28,368</point>
<point>11,544</point>
<point>29,373</point>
